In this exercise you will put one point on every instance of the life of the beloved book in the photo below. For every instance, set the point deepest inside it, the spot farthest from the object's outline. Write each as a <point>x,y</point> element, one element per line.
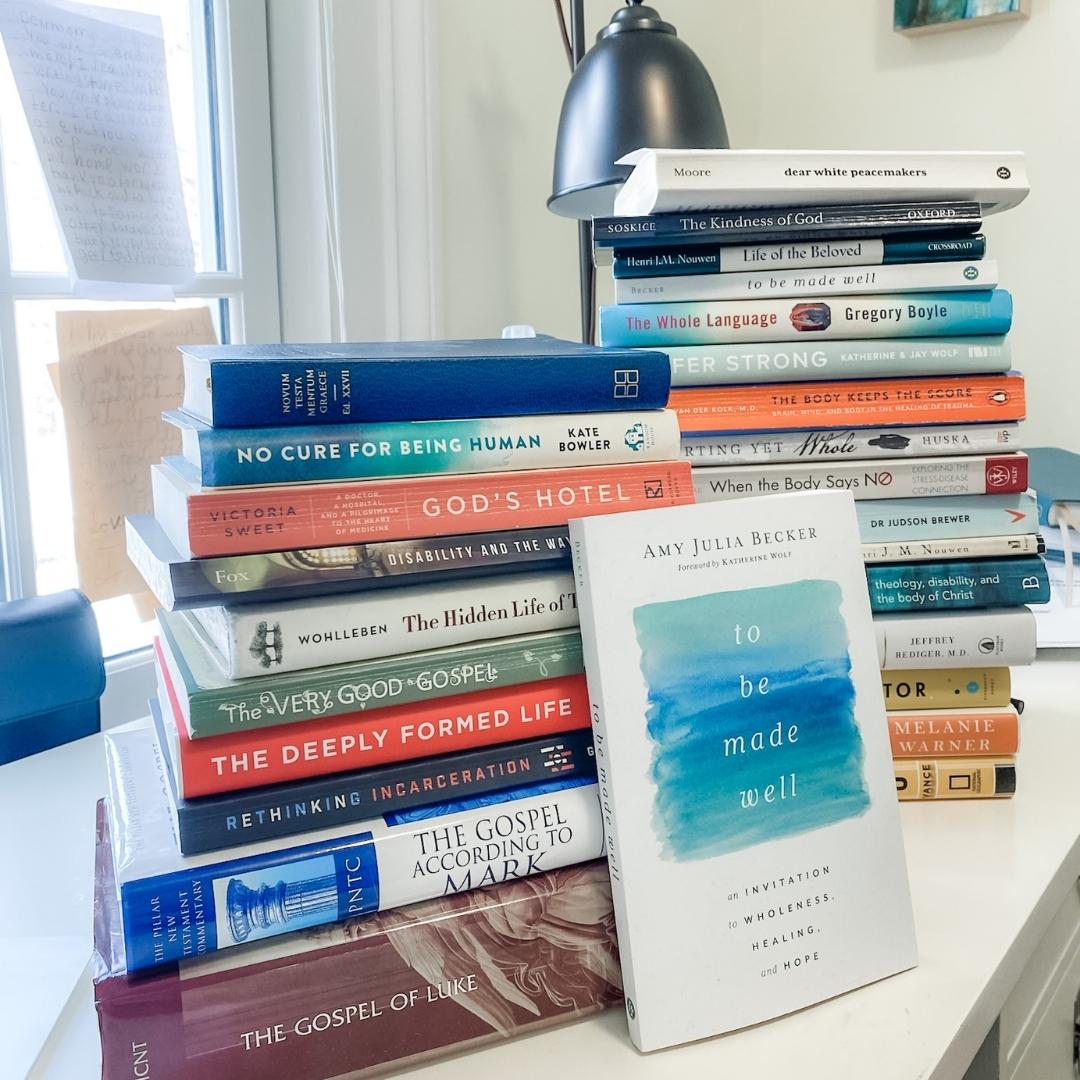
<point>751,821</point>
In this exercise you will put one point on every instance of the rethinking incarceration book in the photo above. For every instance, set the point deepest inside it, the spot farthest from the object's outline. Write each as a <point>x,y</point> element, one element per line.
<point>743,761</point>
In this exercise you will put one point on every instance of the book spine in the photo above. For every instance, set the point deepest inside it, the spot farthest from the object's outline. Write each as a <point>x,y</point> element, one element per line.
<point>599,719</point>
<point>310,572</point>
<point>252,520</point>
<point>977,547</point>
<point>823,281</point>
<point>245,456</point>
<point>947,688</point>
<point>794,254</point>
<point>899,478</point>
<point>295,636</point>
<point>770,362</point>
<point>390,989</point>
<point>954,733</point>
<point>888,315</point>
<point>375,684</point>
<point>850,444</point>
<point>398,860</point>
<point>787,224</point>
<point>956,399</point>
<point>1002,637</point>
<point>953,586</point>
<point>248,759</point>
<point>955,778</point>
<point>249,817</point>
<point>910,520</point>
<point>273,393</point>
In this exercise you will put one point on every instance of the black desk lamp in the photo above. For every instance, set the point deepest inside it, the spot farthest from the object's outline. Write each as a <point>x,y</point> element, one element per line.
<point>639,85</point>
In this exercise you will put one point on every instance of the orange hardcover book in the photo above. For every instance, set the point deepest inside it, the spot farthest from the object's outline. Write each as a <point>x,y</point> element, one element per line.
<point>952,399</point>
<point>955,778</point>
<point>939,733</point>
<point>203,523</point>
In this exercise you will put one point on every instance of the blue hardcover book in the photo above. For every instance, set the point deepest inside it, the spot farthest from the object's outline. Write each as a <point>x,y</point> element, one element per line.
<point>279,810</point>
<point>958,584</point>
<point>363,382</point>
<point>817,318</point>
<point>784,223</point>
<point>241,457</point>
<point>793,254</point>
<point>174,906</point>
<point>944,517</point>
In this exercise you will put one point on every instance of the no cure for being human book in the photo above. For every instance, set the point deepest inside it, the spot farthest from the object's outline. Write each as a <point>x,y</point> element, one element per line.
<point>745,774</point>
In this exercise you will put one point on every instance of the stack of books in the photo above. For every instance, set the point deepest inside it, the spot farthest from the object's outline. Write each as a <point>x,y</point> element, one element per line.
<point>833,325</point>
<point>370,695</point>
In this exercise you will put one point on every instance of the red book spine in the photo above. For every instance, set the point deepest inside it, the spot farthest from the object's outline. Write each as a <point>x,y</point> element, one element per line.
<point>954,399</point>
<point>1005,473</point>
<point>250,520</point>
<point>261,756</point>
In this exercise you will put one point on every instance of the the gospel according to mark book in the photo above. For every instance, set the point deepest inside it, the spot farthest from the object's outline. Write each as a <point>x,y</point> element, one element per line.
<point>752,829</point>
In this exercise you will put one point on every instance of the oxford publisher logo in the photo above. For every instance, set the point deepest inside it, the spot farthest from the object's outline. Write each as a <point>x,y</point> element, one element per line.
<point>971,272</point>
<point>635,437</point>
<point>626,382</point>
<point>1003,173</point>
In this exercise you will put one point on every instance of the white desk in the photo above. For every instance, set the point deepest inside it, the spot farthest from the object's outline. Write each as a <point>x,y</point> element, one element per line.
<point>986,879</point>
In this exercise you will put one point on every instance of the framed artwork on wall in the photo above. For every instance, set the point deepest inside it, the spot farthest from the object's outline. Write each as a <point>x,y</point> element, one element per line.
<point>928,16</point>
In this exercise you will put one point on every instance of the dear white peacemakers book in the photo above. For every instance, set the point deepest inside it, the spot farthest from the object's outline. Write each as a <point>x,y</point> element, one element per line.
<point>752,827</point>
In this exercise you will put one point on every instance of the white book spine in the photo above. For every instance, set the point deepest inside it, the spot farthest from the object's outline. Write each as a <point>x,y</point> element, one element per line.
<point>856,444</point>
<point>835,280</point>
<point>1001,638</point>
<point>891,478</point>
<point>977,547</point>
<point>257,639</point>
<point>672,180</point>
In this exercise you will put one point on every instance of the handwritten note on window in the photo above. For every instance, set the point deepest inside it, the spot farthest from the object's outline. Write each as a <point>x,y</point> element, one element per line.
<point>118,371</point>
<point>96,98</point>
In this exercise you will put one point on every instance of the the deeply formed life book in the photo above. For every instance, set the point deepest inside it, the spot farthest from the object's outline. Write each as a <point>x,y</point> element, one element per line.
<point>752,828</point>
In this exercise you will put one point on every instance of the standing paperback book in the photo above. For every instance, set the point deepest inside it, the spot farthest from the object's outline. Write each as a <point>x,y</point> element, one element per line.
<point>743,761</point>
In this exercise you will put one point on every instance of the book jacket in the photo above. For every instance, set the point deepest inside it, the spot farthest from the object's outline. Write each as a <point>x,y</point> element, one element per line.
<point>743,761</point>
<point>176,906</point>
<point>395,988</point>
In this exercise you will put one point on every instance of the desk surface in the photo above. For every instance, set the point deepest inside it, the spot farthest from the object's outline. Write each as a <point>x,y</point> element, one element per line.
<point>986,878</point>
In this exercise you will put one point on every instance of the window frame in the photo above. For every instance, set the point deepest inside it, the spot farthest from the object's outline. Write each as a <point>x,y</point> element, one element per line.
<point>232,60</point>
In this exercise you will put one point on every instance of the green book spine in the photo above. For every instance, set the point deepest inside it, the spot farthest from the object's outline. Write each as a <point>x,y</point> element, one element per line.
<point>217,705</point>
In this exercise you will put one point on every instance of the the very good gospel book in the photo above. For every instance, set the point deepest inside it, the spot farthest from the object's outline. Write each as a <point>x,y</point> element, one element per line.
<point>743,760</point>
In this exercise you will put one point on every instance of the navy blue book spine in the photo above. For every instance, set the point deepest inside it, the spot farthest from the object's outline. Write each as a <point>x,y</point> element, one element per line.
<point>215,822</point>
<point>709,259</point>
<point>783,223</point>
<point>958,584</point>
<point>279,392</point>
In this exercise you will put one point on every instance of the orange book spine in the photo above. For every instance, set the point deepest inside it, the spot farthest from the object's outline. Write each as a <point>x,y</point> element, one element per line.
<point>247,759</point>
<point>955,778</point>
<point>954,732</point>
<point>955,399</point>
<point>239,521</point>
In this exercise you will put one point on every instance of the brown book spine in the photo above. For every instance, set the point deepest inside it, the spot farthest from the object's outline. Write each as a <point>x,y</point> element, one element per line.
<point>955,778</point>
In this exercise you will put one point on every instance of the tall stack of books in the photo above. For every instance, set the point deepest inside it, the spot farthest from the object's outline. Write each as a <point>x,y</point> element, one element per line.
<point>370,694</point>
<point>833,324</point>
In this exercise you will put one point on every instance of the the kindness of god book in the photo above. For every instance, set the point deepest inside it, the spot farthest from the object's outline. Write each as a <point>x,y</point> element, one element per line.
<point>752,829</point>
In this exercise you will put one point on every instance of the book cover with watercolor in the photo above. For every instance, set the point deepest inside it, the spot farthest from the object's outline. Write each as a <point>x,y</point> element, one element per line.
<point>746,768</point>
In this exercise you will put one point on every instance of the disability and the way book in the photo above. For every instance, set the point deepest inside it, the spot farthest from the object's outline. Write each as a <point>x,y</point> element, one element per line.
<point>745,773</point>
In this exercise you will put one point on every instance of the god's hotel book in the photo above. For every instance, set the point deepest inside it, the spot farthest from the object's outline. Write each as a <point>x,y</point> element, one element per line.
<point>752,828</point>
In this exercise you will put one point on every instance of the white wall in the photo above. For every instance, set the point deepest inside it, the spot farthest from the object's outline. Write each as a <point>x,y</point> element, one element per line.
<point>826,73</point>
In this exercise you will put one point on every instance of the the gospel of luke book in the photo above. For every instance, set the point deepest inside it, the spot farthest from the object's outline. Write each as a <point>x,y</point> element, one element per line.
<point>743,760</point>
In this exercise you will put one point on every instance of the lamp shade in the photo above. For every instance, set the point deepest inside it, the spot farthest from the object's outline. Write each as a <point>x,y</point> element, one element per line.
<point>639,85</point>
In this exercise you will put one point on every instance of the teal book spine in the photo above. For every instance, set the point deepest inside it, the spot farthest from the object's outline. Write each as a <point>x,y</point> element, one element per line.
<point>767,362</point>
<point>944,517</point>
<point>886,315</point>
<point>241,457</point>
<point>958,585</point>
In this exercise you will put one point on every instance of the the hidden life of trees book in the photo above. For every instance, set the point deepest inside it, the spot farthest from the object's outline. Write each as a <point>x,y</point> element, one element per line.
<point>752,828</point>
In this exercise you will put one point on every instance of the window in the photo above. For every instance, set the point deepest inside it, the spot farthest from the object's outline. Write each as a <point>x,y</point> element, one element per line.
<point>216,61</point>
